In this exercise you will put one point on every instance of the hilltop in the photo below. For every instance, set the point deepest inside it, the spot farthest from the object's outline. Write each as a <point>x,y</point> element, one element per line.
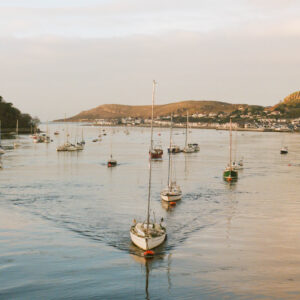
<point>116,111</point>
<point>290,106</point>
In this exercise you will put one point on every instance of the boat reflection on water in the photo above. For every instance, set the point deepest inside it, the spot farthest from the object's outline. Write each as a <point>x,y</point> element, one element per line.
<point>169,206</point>
<point>149,264</point>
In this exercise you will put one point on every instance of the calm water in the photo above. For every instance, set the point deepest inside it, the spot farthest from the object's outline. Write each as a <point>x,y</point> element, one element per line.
<point>65,219</point>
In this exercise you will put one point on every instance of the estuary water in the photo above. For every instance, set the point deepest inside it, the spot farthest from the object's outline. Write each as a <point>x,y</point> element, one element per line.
<point>65,218</point>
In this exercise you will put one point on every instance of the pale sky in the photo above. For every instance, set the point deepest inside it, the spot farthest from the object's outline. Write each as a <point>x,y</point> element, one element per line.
<point>65,56</point>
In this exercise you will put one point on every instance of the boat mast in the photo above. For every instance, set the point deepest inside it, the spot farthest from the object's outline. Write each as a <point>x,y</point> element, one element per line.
<point>186,130</point>
<point>170,154</point>
<point>0,133</point>
<point>150,160</point>
<point>153,97</point>
<point>17,129</point>
<point>230,144</point>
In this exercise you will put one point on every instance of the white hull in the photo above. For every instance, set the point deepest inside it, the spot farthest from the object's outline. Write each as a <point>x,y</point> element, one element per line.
<point>188,150</point>
<point>147,243</point>
<point>169,198</point>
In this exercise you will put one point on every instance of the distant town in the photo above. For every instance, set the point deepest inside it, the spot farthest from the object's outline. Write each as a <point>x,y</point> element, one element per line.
<point>247,119</point>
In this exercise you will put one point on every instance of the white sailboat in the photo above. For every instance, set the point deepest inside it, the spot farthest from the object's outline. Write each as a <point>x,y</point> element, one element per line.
<point>67,146</point>
<point>189,147</point>
<point>1,149</point>
<point>16,143</point>
<point>46,137</point>
<point>173,191</point>
<point>237,164</point>
<point>155,151</point>
<point>148,235</point>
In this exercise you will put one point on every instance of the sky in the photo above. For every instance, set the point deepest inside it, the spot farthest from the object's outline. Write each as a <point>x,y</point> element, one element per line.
<point>60,57</point>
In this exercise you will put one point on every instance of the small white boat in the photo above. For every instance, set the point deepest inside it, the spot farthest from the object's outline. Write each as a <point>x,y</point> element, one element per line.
<point>67,147</point>
<point>172,192</point>
<point>284,150</point>
<point>189,147</point>
<point>147,236</point>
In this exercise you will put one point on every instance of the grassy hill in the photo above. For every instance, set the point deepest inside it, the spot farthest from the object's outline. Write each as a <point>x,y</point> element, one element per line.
<point>115,111</point>
<point>290,106</point>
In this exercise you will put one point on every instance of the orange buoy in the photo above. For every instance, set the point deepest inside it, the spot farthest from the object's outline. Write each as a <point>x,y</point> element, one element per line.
<point>173,203</point>
<point>148,253</point>
<point>229,179</point>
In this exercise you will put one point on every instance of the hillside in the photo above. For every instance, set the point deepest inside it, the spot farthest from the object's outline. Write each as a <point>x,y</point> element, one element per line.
<point>9,116</point>
<point>290,106</point>
<point>115,111</point>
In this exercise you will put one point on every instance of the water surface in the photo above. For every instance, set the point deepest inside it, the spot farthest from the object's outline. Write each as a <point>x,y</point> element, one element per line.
<point>65,219</point>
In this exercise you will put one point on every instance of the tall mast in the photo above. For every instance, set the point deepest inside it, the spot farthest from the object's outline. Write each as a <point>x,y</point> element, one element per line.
<point>230,144</point>
<point>153,97</point>
<point>186,130</point>
<point>150,160</point>
<point>170,153</point>
<point>0,133</point>
<point>17,129</point>
<point>66,131</point>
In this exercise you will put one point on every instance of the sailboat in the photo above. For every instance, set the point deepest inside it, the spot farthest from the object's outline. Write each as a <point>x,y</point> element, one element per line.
<point>46,137</point>
<point>284,150</point>
<point>16,143</point>
<point>156,151</point>
<point>1,149</point>
<point>237,165</point>
<point>111,162</point>
<point>67,146</point>
<point>148,234</point>
<point>173,191</point>
<point>230,172</point>
<point>189,147</point>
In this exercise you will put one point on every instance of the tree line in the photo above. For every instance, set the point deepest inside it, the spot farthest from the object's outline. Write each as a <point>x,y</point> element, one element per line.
<point>10,114</point>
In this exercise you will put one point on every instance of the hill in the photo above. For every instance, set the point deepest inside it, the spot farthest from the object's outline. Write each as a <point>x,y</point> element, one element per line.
<point>115,111</point>
<point>9,116</point>
<point>290,106</point>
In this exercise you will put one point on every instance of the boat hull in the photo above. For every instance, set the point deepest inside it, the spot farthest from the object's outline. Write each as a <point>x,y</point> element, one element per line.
<point>156,154</point>
<point>230,175</point>
<point>111,163</point>
<point>147,243</point>
<point>170,197</point>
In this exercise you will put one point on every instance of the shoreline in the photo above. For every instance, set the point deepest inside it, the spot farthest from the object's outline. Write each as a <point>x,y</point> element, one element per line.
<point>183,127</point>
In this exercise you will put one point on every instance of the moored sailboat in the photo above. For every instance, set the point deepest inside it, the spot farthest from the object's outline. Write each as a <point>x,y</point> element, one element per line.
<point>284,150</point>
<point>172,192</point>
<point>189,147</point>
<point>148,234</point>
<point>230,173</point>
<point>111,162</point>
<point>155,152</point>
